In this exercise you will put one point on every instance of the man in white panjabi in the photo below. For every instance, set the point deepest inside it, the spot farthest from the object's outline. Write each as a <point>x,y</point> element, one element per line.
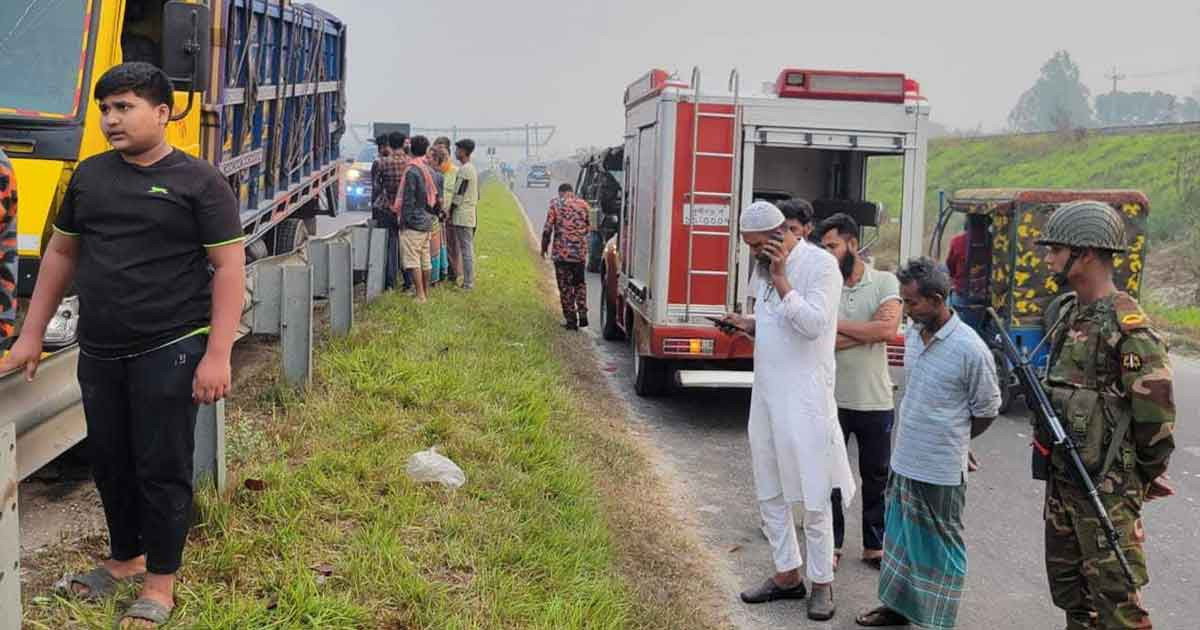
<point>796,444</point>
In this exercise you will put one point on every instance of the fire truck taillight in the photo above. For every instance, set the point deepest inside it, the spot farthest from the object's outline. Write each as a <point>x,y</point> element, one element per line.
<point>672,345</point>
<point>879,87</point>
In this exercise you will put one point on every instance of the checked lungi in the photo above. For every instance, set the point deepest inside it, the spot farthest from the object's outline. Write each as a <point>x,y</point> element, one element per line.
<point>924,568</point>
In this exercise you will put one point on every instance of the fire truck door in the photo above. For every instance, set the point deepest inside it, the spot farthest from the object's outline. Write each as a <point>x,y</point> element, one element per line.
<point>642,200</point>
<point>740,259</point>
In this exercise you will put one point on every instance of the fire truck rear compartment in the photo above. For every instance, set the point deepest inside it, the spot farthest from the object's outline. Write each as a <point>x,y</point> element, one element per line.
<point>833,180</point>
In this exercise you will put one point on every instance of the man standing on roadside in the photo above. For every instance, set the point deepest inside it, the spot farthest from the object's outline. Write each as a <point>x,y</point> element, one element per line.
<point>462,214</point>
<point>567,226</point>
<point>8,251</point>
<point>385,182</point>
<point>796,446</point>
<point>950,397</point>
<point>868,316</point>
<point>137,231</point>
<point>449,183</point>
<point>1109,379</point>
<point>414,206</point>
<point>798,217</point>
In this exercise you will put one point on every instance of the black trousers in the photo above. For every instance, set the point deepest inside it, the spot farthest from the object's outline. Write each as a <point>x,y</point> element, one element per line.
<point>141,425</point>
<point>873,430</point>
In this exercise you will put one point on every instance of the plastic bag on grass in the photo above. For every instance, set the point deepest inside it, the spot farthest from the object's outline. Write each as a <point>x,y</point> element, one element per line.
<point>432,467</point>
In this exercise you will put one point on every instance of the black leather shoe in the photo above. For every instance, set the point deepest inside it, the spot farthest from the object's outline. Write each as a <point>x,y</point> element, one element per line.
<point>770,591</point>
<point>583,322</point>
<point>820,605</point>
<point>570,326</point>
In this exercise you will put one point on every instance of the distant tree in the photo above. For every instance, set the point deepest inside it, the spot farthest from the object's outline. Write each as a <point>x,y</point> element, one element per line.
<point>1189,110</point>
<point>1057,101</point>
<point>1140,108</point>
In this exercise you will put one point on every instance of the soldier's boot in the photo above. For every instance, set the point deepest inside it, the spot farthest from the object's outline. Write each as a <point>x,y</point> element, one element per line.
<point>1081,620</point>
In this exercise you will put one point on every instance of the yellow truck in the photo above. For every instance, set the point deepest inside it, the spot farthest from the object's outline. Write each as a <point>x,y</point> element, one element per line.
<point>260,93</point>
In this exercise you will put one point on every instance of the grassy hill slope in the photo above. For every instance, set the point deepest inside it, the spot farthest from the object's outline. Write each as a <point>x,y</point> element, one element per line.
<point>1148,162</point>
<point>1165,166</point>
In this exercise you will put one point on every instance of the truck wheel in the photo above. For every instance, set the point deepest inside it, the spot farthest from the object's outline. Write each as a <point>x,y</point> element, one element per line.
<point>290,235</point>
<point>649,374</point>
<point>608,315</point>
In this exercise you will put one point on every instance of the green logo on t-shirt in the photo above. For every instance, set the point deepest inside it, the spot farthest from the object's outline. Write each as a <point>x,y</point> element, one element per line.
<point>159,190</point>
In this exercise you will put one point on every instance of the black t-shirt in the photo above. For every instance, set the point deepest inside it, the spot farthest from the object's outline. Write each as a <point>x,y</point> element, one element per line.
<point>143,275</point>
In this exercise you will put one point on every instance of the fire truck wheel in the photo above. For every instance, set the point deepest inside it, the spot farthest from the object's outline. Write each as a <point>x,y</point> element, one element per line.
<point>608,315</point>
<point>649,376</point>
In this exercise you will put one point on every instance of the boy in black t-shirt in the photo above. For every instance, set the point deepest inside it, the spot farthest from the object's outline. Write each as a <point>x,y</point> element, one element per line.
<point>137,232</point>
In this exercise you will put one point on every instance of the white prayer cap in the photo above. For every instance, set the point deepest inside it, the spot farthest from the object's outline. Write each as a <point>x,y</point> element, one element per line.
<point>760,216</point>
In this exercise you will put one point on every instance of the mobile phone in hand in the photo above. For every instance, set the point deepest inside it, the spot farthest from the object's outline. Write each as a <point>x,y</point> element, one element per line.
<point>724,325</point>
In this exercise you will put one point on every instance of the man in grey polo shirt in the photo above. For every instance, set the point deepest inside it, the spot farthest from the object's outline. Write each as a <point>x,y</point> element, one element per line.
<point>951,396</point>
<point>868,316</point>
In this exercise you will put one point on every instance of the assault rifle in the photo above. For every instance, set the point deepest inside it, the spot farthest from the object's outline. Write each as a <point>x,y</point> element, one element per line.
<point>1043,412</point>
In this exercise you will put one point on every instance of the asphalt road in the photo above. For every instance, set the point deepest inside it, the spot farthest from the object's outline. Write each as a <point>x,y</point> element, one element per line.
<point>703,438</point>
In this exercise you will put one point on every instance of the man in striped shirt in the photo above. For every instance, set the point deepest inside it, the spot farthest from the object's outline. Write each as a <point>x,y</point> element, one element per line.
<point>951,395</point>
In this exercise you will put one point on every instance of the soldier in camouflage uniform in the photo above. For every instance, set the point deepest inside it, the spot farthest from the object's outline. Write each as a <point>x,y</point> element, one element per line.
<point>1109,380</point>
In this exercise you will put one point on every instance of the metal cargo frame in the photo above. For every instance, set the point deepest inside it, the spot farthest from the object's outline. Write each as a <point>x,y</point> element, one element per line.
<point>275,111</point>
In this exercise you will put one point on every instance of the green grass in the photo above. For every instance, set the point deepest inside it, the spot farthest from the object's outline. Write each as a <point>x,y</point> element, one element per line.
<point>526,543</point>
<point>1182,321</point>
<point>1146,162</point>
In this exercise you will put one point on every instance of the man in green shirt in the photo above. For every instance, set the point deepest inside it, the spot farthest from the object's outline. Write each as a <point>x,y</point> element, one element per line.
<point>868,316</point>
<point>462,214</point>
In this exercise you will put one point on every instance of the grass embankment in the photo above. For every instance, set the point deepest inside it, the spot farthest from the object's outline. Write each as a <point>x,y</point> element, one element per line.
<point>1147,162</point>
<point>1183,322</point>
<point>560,524</point>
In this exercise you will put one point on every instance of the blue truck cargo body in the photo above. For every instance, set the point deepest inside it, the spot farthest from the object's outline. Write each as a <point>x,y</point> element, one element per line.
<point>275,123</point>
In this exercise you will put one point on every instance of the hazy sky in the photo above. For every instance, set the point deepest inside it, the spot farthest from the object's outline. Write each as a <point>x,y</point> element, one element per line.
<point>567,62</point>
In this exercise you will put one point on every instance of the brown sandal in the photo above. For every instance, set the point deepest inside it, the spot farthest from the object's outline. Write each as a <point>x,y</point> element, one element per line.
<point>881,617</point>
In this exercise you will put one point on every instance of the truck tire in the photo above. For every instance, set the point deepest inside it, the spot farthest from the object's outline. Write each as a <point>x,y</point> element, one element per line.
<point>290,235</point>
<point>609,329</point>
<point>649,374</point>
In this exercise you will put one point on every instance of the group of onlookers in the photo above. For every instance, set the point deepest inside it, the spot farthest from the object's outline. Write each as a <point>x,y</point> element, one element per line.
<point>427,204</point>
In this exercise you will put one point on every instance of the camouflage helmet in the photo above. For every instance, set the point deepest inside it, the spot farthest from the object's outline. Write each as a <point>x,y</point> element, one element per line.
<point>1085,224</point>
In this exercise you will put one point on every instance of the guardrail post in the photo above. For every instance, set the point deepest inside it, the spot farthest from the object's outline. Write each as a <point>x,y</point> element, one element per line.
<point>296,324</point>
<point>208,460</point>
<point>318,257</point>
<point>370,255</point>
<point>341,286</point>
<point>10,532</point>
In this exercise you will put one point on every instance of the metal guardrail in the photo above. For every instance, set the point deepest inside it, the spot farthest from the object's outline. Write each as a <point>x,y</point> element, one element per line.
<point>41,420</point>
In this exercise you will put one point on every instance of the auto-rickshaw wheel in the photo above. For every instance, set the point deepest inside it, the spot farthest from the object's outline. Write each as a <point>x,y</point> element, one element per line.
<point>1004,376</point>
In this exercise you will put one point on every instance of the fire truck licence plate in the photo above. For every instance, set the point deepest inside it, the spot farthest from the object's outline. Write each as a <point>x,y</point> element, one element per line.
<point>708,214</point>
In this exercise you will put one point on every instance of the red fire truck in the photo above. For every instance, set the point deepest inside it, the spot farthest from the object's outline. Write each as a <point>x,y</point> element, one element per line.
<point>693,160</point>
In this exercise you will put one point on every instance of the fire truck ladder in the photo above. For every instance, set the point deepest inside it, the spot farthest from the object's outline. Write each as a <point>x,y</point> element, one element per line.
<point>698,118</point>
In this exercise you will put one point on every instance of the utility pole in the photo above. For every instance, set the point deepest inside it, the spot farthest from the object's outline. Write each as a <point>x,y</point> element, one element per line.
<point>1114,76</point>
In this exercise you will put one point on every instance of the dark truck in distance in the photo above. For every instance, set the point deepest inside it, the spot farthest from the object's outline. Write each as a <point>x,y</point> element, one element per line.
<point>601,176</point>
<point>538,176</point>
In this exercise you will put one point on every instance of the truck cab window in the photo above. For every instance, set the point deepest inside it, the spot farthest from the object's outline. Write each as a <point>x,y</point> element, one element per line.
<point>141,33</point>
